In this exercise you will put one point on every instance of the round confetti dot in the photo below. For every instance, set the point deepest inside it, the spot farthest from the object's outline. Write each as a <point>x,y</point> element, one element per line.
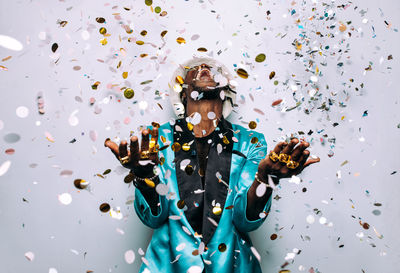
<point>129,256</point>
<point>105,207</point>
<point>176,147</point>
<point>22,112</point>
<point>217,210</point>
<point>186,147</point>
<point>273,236</point>
<point>157,9</point>
<point>254,140</point>
<point>189,169</point>
<point>365,226</point>
<point>222,247</point>
<point>148,2</point>
<point>252,125</point>
<point>85,35</point>
<point>162,189</point>
<point>310,219</point>
<point>181,204</point>
<point>194,268</point>
<point>143,105</point>
<point>65,198</point>
<point>260,58</point>
<point>103,30</point>
<point>129,93</point>
<point>81,184</point>
<point>242,73</point>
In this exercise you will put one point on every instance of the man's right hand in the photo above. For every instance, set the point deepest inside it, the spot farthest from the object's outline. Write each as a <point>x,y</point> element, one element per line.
<point>141,167</point>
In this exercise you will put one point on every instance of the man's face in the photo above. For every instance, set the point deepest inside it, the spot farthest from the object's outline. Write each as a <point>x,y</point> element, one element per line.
<point>200,78</point>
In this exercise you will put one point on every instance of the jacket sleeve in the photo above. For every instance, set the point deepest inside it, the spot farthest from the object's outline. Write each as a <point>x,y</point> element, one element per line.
<point>256,153</point>
<point>145,202</point>
<point>143,210</point>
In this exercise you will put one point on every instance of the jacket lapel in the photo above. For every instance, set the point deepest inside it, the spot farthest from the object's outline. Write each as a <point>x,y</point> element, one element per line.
<point>216,178</point>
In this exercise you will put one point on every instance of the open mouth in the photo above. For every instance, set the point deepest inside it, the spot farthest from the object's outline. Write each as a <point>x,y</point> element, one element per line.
<point>204,75</point>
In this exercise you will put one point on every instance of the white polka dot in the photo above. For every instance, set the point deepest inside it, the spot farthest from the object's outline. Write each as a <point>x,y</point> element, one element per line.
<point>22,112</point>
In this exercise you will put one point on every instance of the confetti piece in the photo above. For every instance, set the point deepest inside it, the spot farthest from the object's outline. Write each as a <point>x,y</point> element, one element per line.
<point>260,58</point>
<point>5,167</point>
<point>10,43</point>
<point>242,73</point>
<point>129,256</point>
<point>30,255</point>
<point>65,198</point>
<point>22,112</point>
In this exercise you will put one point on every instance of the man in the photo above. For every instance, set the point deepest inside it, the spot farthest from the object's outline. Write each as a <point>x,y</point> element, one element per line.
<point>201,182</point>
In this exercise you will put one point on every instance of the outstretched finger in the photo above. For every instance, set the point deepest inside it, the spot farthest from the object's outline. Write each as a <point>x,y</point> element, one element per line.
<point>289,147</point>
<point>144,146</point>
<point>312,161</point>
<point>134,148</point>
<point>113,147</point>
<point>298,151</point>
<point>123,151</point>
<point>279,147</point>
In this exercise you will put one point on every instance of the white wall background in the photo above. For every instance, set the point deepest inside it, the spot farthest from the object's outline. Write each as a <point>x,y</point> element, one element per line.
<point>359,168</point>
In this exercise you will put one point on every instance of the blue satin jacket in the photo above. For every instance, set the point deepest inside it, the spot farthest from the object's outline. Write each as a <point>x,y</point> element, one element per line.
<point>224,245</point>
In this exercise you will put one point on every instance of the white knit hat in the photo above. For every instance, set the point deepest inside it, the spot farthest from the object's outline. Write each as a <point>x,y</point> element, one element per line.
<point>225,78</point>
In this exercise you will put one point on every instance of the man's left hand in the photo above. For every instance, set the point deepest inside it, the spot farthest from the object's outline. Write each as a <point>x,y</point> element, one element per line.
<point>286,160</point>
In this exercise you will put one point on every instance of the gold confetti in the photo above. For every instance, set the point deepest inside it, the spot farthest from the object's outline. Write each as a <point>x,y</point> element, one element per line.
<point>189,169</point>
<point>157,9</point>
<point>100,20</point>
<point>181,204</point>
<point>252,125</point>
<point>105,207</point>
<point>139,42</point>
<point>186,147</point>
<point>217,210</point>
<point>180,40</point>
<point>143,55</point>
<point>163,13</point>
<point>273,236</point>
<point>242,73</point>
<point>149,183</point>
<point>163,139</point>
<point>148,2</point>
<point>225,140</point>
<point>129,178</point>
<point>260,58</point>
<point>190,126</point>
<point>271,75</point>
<point>202,49</point>
<point>254,140</point>
<point>129,93</point>
<point>103,30</point>
<point>6,59</point>
<point>143,32</point>
<point>103,41</point>
<point>179,79</point>
<point>222,247</point>
<point>163,33</point>
<point>95,85</point>
<point>106,171</point>
<point>124,75</point>
<point>176,147</point>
